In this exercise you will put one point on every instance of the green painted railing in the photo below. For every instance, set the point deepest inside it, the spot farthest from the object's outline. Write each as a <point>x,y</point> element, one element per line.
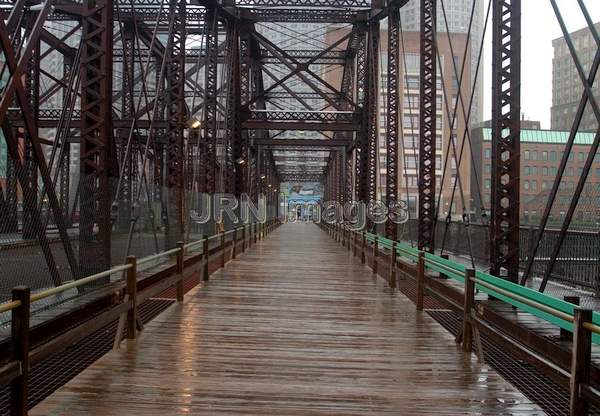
<point>541,305</point>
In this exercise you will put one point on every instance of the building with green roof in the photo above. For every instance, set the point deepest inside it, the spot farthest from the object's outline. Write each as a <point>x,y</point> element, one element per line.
<point>541,153</point>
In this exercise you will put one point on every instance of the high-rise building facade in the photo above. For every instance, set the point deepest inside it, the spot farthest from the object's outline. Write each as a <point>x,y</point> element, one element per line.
<point>448,171</point>
<point>567,88</point>
<point>458,13</point>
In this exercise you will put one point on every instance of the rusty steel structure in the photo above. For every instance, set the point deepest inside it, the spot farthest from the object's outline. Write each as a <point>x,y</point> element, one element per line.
<point>110,108</point>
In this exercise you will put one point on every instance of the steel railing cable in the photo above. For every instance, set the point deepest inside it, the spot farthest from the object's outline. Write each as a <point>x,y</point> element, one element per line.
<point>568,147</point>
<point>466,136</point>
<point>452,136</point>
<point>128,151</point>
<point>153,114</point>
<point>411,111</point>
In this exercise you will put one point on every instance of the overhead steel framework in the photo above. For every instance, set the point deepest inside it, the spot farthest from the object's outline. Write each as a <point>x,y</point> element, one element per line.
<point>168,99</point>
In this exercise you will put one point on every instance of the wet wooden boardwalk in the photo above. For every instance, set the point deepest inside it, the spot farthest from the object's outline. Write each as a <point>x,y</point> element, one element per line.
<point>293,326</point>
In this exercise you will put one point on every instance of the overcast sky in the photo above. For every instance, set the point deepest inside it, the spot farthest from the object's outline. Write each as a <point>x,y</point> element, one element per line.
<point>539,27</point>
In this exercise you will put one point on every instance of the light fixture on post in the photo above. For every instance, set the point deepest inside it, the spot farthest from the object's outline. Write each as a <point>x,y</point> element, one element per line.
<point>240,161</point>
<point>263,176</point>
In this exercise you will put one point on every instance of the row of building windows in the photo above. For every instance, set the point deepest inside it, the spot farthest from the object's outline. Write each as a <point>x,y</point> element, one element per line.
<point>532,185</point>
<point>545,155</point>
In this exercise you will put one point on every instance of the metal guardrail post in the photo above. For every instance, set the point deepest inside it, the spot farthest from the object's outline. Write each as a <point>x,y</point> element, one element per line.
<point>363,246</point>
<point>580,363</point>
<point>469,299</point>
<point>243,238</point>
<point>355,234</point>
<point>234,248</point>
<point>564,334</point>
<point>350,237</point>
<point>392,279</point>
<point>131,287</point>
<point>222,249</point>
<point>180,267</point>
<point>442,275</point>
<point>254,232</point>
<point>375,251</point>
<point>206,256</point>
<point>420,281</point>
<point>20,350</point>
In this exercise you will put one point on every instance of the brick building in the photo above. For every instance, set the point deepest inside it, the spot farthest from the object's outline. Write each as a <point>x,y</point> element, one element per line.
<point>541,153</point>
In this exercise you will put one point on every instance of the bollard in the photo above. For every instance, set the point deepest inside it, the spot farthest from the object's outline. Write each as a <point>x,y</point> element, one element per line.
<point>131,287</point>
<point>180,267</point>
<point>392,279</point>
<point>206,258</point>
<point>467,325</point>
<point>581,361</point>
<point>20,350</point>
<point>375,251</point>
<point>364,243</point>
<point>420,281</point>
<point>564,334</point>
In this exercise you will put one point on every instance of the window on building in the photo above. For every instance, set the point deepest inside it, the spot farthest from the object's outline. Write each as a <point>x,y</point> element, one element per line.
<point>534,155</point>
<point>527,171</point>
<point>488,153</point>
<point>581,156</point>
<point>553,155</point>
<point>488,168</point>
<point>544,171</point>
<point>488,184</point>
<point>534,185</point>
<point>527,155</point>
<point>544,155</point>
<point>526,185</point>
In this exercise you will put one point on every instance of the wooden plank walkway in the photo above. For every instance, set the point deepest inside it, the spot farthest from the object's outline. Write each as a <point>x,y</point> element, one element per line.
<point>293,326</point>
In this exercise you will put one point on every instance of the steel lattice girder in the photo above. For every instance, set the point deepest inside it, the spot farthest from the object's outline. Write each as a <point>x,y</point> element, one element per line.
<point>373,109</point>
<point>427,140</point>
<point>176,118</point>
<point>96,138</point>
<point>393,69</point>
<point>210,114</point>
<point>506,130</point>
<point>361,156</point>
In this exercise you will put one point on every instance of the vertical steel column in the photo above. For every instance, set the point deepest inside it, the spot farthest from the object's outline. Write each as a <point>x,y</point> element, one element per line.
<point>506,130</point>
<point>65,180</point>
<point>96,136</point>
<point>427,111</point>
<point>373,109</point>
<point>32,89</point>
<point>127,112</point>
<point>361,155</point>
<point>176,118</point>
<point>210,91</point>
<point>233,134</point>
<point>393,72</point>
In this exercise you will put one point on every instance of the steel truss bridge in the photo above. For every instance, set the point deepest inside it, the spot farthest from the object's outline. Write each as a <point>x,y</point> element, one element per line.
<point>118,115</point>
